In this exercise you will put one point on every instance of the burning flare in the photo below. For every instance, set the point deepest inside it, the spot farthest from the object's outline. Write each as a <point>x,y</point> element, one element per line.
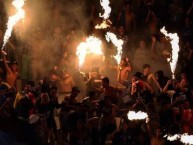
<point>132,115</point>
<point>105,24</point>
<point>184,138</point>
<point>20,14</point>
<point>187,139</point>
<point>92,45</point>
<point>117,42</point>
<point>107,10</point>
<point>175,49</point>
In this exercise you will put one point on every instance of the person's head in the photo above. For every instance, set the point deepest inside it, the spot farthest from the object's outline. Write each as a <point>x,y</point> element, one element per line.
<point>127,6</point>
<point>95,69</point>
<point>113,29</point>
<point>146,68</point>
<point>137,76</point>
<point>183,76</point>
<point>53,90</point>
<point>45,98</point>
<point>14,66</point>
<point>154,37</point>
<point>142,44</point>
<point>123,62</point>
<point>75,91</point>
<point>184,83</point>
<point>29,86</point>
<point>65,74</point>
<point>121,30</point>
<point>53,76</point>
<point>105,82</point>
<point>57,31</point>
<point>159,74</point>
<point>107,101</point>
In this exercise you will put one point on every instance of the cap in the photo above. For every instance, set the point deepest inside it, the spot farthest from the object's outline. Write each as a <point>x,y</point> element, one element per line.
<point>76,89</point>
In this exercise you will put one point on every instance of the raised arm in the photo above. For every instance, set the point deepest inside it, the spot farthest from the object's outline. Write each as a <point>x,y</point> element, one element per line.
<point>156,82</point>
<point>8,70</point>
<point>165,89</point>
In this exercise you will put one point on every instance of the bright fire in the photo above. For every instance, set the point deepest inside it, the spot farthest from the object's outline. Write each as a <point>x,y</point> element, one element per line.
<point>175,49</point>
<point>184,138</point>
<point>20,14</point>
<point>107,10</point>
<point>118,43</point>
<point>105,24</point>
<point>92,45</point>
<point>187,139</point>
<point>132,115</point>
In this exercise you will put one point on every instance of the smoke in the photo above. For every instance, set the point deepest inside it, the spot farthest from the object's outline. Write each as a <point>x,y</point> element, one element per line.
<point>47,28</point>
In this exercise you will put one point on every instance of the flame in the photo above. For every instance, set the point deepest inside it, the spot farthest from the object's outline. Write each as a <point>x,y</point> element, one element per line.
<point>187,139</point>
<point>118,43</point>
<point>184,138</point>
<point>20,14</point>
<point>107,9</point>
<point>172,137</point>
<point>175,48</point>
<point>92,45</point>
<point>132,115</point>
<point>105,24</point>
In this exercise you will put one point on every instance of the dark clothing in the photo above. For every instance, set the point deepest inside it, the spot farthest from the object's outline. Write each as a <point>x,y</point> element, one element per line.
<point>122,138</point>
<point>3,89</point>
<point>23,108</point>
<point>48,110</point>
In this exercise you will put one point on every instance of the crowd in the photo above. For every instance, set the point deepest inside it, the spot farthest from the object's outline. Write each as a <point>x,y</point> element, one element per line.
<point>47,99</point>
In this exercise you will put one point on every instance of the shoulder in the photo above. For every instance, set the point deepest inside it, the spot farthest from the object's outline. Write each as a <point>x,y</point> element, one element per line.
<point>5,84</point>
<point>151,75</point>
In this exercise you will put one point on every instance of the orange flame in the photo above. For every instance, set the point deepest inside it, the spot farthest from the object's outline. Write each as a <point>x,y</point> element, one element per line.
<point>118,43</point>
<point>175,48</point>
<point>132,115</point>
<point>107,10</point>
<point>184,138</point>
<point>92,45</point>
<point>20,14</point>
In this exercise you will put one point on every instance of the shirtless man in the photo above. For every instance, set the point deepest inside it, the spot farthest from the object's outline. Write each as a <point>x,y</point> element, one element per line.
<point>11,72</point>
<point>149,77</point>
<point>65,85</point>
<point>124,70</point>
